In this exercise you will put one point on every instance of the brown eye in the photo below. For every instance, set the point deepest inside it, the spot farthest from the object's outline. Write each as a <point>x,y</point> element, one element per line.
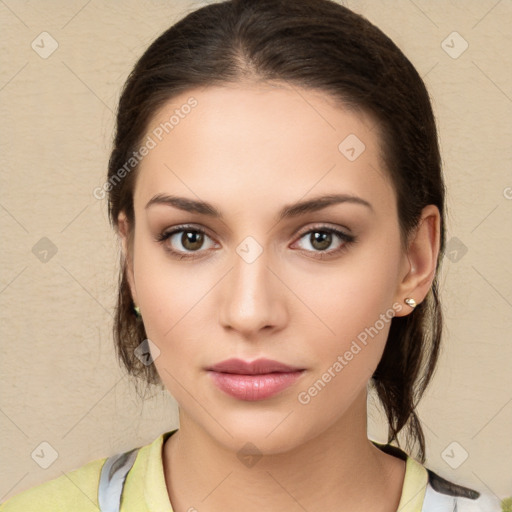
<point>320,240</point>
<point>192,240</point>
<point>323,237</point>
<point>185,241</point>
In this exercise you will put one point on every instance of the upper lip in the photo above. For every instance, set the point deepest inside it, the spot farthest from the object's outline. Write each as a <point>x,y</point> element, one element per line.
<point>259,366</point>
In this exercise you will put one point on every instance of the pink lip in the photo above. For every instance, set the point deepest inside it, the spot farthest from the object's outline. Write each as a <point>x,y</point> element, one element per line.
<point>256,367</point>
<point>256,380</point>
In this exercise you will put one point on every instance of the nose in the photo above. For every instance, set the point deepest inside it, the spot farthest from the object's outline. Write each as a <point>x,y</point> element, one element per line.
<point>252,296</point>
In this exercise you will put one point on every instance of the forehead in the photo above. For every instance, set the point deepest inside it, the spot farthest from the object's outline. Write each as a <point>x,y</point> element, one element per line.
<point>272,141</point>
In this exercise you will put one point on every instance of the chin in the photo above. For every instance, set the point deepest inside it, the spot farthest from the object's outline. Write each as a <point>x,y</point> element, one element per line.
<point>255,436</point>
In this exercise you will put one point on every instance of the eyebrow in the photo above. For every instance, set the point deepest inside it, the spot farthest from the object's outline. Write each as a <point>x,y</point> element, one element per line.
<point>288,211</point>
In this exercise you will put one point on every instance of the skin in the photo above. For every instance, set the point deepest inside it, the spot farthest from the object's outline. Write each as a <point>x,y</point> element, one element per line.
<point>251,149</point>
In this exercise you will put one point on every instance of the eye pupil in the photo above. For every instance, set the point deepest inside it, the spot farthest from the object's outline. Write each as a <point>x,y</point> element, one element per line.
<point>192,240</point>
<point>323,237</point>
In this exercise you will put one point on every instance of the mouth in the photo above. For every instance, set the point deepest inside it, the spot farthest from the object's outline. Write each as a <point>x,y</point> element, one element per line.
<point>252,381</point>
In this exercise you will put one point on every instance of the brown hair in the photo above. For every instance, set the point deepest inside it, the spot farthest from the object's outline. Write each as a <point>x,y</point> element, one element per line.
<point>315,44</point>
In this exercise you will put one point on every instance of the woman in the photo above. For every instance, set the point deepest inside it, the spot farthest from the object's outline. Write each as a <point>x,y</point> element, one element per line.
<point>276,185</point>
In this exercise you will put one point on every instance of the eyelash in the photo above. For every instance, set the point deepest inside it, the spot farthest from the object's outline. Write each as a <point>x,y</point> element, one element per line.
<point>344,237</point>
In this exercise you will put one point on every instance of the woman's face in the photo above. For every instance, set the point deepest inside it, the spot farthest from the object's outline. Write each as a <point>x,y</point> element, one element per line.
<point>264,277</point>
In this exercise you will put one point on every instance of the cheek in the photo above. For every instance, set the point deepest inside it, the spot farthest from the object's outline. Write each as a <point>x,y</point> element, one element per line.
<point>172,301</point>
<point>354,307</point>
<point>345,361</point>
<point>352,296</point>
<point>174,296</point>
<point>165,288</point>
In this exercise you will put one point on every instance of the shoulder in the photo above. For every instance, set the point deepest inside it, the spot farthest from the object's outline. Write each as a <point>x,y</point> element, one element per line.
<point>78,490</point>
<point>426,491</point>
<point>75,490</point>
<point>442,495</point>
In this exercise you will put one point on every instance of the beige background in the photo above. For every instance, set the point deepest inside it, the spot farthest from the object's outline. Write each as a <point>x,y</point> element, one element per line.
<point>61,383</point>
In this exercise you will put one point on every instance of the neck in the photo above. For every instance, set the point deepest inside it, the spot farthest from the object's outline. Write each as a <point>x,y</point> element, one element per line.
<point>337,470</point>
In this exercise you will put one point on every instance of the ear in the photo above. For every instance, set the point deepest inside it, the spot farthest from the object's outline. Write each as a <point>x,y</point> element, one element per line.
<point>420,260</point>
<point>124,228</point>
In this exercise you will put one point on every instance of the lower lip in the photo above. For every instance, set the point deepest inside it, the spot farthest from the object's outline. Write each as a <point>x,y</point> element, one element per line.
<point>254,387</point>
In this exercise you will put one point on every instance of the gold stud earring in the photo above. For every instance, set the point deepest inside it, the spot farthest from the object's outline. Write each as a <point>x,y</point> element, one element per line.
<point>137,311</point>
<point>410,302</point>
